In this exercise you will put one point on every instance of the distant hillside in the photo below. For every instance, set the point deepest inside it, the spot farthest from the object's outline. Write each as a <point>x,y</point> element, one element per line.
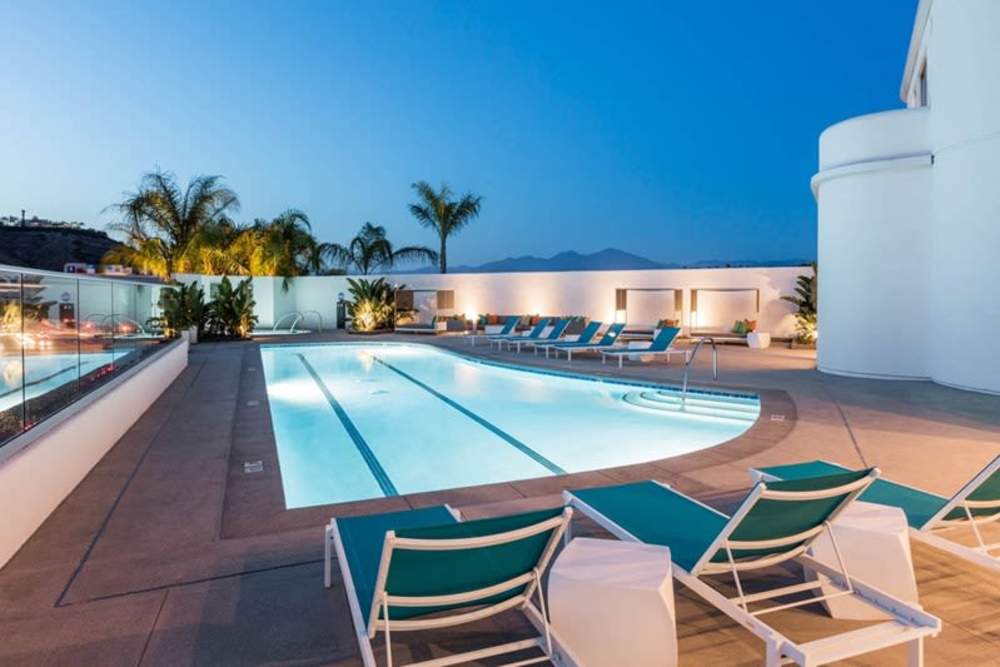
<point>610,259</point>
<point>51,248</point>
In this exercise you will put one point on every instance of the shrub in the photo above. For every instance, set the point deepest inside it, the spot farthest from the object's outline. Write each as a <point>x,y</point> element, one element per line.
<point>231,312</point>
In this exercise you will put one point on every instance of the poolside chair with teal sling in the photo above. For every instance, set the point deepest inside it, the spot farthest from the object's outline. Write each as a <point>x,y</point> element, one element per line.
<point>535,332</point>
<point>426,569</point>
<point>586,337</point>
<point>569,347</point>
<point>973,506</point>
<point>508,328</point>
<point>661,343</point>
<point>554,334</point>
<point>775,523</point>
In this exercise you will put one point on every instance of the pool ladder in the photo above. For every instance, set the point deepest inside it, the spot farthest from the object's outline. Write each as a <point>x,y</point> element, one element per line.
<point>298,317</point>
<point>687,366</point>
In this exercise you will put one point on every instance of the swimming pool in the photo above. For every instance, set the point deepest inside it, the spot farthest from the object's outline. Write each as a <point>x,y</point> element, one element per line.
<point>356,421</point>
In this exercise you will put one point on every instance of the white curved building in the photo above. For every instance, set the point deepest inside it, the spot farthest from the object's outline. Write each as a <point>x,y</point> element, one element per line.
<point>909,214</point>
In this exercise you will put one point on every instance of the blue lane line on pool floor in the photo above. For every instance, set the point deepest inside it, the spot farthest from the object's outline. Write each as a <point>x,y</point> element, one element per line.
<point>511,440</point>
<point>378,472</point>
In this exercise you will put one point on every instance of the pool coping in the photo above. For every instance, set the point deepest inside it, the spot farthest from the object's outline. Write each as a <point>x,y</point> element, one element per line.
<point>254,503</point>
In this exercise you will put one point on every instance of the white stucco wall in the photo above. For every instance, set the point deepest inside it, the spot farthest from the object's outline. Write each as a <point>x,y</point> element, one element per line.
<point>590,293</point>
<point>41,467</point>
<point>909,217</point>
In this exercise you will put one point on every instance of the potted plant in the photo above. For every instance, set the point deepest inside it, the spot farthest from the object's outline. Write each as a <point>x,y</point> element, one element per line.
<point>806,331</point>
<point>183,311</point>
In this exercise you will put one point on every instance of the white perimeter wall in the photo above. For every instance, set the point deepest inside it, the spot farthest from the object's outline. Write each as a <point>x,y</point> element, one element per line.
<point>40,468</point>
<point>590,293</point>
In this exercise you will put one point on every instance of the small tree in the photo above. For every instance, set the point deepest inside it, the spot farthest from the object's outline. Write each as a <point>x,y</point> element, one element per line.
<point>372,251</point>
<point>438,210</point>
<point>806,330</point>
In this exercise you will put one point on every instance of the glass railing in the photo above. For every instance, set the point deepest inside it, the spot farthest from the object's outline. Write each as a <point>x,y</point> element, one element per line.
<point>62,335</point>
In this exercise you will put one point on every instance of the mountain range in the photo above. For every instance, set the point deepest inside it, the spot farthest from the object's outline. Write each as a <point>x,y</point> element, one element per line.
<point>609,259</point>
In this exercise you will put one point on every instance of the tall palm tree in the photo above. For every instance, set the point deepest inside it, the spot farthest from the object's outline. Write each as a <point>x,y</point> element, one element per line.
<point>160,221</point>
<point>438,211</point>
<point>371,251</point>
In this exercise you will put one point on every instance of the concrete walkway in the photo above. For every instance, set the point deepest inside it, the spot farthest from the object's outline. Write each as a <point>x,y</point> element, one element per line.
<point>165,556</point>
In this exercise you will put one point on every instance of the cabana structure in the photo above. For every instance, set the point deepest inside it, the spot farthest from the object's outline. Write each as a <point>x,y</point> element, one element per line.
<point>429,311</point>
<point>723,333</point>
<point>633,330</point>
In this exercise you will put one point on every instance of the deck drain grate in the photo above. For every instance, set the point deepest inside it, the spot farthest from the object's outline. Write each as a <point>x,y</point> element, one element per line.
<point>777,418</point>
<point>253,466</point>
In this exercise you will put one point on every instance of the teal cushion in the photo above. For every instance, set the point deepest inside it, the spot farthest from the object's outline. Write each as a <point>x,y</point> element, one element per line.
<point>657,515</point>
<point>919,506</point>
<point>363,537</point>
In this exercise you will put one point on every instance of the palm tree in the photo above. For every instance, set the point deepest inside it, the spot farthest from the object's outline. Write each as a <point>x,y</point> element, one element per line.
<point>371,251</point>
<point>438,211</point>
<point>160,222</point>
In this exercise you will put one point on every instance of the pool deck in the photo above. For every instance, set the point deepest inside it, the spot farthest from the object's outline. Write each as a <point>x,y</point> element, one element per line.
<point>169,554</point>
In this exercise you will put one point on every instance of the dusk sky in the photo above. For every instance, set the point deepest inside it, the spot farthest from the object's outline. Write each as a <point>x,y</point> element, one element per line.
<point>677,131</point>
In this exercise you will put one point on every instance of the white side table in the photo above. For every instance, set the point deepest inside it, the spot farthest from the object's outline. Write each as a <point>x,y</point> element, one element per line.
<point>612,603</point>
<point>875,543</point>
<point>758,340</point>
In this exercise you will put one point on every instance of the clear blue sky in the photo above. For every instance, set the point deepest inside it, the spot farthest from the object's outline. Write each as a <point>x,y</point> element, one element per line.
<point>676,130</point>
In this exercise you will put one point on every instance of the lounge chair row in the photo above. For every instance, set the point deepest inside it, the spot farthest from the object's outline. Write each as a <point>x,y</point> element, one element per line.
<point>426,569</point>
<point>549,337</point>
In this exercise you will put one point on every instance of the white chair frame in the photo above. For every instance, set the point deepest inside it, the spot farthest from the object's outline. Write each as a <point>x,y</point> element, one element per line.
<point>378,619</point>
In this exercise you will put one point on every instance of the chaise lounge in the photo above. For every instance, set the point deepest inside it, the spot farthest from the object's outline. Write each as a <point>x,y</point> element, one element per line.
<point>426,569</point>
<point>660,345</point>
<point>928,514</point>
<point>775,523</point>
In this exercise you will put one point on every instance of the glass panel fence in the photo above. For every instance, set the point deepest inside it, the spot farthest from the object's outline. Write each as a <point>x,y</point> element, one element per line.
<point>61,336</point>
<point>11,361</point>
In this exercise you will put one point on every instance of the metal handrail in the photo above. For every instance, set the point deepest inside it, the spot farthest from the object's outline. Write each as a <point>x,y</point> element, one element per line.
<point>319,317</point>
<point>687,366</point>
<point>297,315</point>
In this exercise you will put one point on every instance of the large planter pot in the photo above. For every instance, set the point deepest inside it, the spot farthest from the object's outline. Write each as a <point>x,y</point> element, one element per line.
<point>192,335</point>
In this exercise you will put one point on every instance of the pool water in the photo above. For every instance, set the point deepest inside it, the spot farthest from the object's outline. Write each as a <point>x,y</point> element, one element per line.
<point>42,373</point>
<point>357,421</point>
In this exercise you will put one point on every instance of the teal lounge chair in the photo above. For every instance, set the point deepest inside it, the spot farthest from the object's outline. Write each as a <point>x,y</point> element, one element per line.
<point>558,329</point>
<point>426,569</point>
<point>535,332</point>
<point>775,523</point>
<point>661,343</point>
<point>508,329</point>
<point>569,347</point>
<point>975,504</point>
<point>586,337</point>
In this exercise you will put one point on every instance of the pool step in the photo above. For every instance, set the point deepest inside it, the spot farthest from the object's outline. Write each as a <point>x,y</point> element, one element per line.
<point>726,407</point>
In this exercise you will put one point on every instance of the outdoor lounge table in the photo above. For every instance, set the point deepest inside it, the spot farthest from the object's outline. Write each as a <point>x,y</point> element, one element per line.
<point>612,603</point>
<point>874,541</point>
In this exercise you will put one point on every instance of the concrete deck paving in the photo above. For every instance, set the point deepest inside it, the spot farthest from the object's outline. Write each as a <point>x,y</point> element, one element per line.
<point>168,554</point>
